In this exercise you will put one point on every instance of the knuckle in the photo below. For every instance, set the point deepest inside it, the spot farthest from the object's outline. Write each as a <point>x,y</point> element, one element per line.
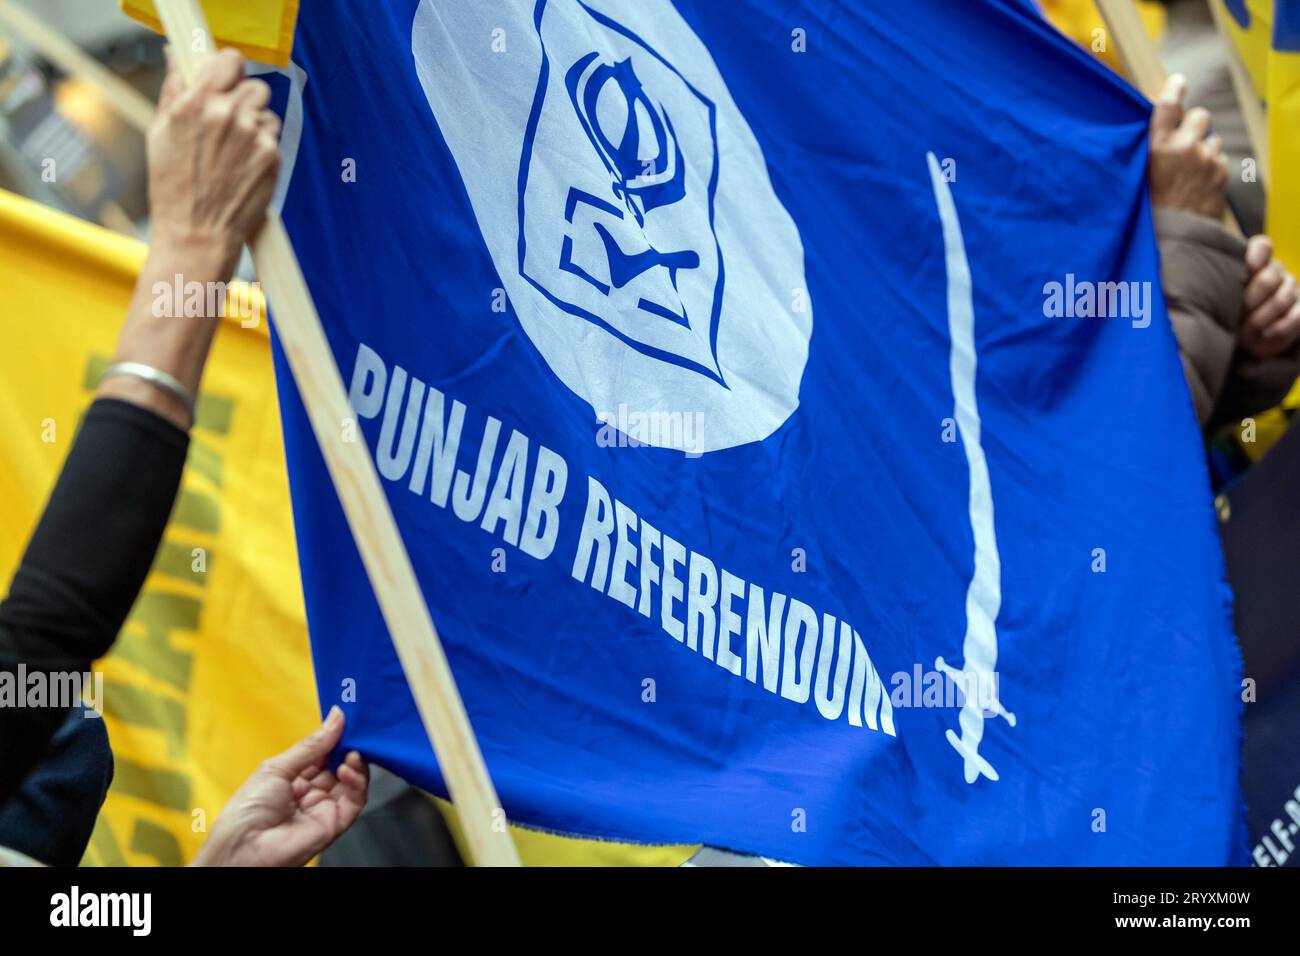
<point>266,161</point>
<point>268,147</point>
<point>187,106</point>
<point>256,90</point>
<point>218,111</point>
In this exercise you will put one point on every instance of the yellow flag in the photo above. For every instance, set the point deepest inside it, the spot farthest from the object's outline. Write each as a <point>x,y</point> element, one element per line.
<point>261,29</point>
<point>1082,22</point>
<point>1269,45</point>
<point>212,672</point>
<point>537,848</point>
<point>1255,41</point>
<point>1283,95</point>
<point>1283,215</point>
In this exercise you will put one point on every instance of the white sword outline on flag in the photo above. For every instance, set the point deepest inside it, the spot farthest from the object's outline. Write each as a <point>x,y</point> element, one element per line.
<point>984,594</point>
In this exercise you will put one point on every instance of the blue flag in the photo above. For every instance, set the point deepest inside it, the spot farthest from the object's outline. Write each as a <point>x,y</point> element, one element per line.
<point>779,406</point>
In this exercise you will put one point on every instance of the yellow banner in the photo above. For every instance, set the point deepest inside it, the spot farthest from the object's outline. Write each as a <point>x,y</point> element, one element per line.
<point>1271,54</point>
<point>1254,43</point>
<point>212,673</point>
<point>261,29</point>
<point>1081,21</point>
<point>1284,153</point>
<point>1275,72</point>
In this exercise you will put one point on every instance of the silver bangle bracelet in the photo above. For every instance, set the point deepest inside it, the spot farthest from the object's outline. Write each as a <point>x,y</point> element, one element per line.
<point>156,377</point>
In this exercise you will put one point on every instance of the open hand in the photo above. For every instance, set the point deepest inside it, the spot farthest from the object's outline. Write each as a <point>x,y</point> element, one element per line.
<point>292,807</point>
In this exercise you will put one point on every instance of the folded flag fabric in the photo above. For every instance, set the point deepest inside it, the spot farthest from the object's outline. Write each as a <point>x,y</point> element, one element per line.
<point>791,443</point>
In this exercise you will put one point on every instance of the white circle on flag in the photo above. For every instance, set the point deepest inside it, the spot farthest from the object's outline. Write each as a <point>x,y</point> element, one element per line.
<point>627,207</point>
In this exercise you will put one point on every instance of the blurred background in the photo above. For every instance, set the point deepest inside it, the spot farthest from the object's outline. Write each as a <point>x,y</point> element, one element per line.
<point>47,114</point>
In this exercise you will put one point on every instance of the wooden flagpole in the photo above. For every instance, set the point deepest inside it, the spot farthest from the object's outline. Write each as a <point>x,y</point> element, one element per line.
<point>369,516</point>
<point>1141,60</point>
<point>1137,54</point>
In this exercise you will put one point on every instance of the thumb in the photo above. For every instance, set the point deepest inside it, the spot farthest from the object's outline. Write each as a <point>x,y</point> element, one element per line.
<point>1259,251</point>
<point>1168,112</point>
<point>312,750</point>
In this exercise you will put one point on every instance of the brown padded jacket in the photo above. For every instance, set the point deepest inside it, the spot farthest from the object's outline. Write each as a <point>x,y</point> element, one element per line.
<point>1203,271</point>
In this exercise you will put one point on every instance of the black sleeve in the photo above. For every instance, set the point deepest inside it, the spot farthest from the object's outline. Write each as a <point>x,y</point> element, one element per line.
<point>85,564</point>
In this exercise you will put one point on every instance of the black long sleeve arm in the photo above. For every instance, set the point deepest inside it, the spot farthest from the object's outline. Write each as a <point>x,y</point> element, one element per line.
<point>86,562</point>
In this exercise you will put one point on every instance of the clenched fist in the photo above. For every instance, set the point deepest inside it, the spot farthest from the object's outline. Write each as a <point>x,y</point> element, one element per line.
<point>1187,167</point>
<point>214,157</point>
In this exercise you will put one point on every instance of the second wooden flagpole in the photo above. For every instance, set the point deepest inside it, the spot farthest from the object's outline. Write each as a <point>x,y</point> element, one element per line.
<point>1141,60</point>
<point>1136,52</point>
<point>362,497</point>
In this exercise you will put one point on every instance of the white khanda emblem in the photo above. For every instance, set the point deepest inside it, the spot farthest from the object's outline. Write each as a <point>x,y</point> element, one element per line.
<point>627,207</point>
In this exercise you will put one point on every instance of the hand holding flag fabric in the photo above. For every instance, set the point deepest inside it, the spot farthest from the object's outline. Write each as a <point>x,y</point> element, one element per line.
<point>1188,169</point>
<point>293,807</point>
